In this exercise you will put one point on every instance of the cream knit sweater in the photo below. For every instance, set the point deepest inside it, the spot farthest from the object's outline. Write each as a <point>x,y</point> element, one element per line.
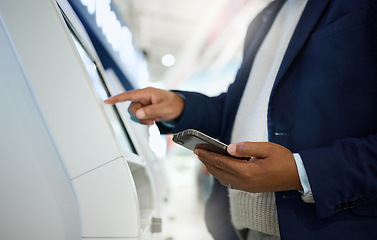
<point>248,210</point>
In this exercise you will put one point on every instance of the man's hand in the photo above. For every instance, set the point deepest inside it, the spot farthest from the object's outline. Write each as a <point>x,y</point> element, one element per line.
<point>151,104</point>
<point>272,167</point>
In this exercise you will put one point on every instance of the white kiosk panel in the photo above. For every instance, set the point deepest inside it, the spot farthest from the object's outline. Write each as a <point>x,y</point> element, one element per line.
<point>60,84</point>
<point>37,199</point>
<point>113,185</point>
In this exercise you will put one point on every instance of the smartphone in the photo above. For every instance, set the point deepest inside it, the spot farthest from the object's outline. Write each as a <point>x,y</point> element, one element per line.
<point>192,139</point>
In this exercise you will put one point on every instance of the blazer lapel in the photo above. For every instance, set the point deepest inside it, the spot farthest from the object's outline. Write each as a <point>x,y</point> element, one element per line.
<point>310,17</point>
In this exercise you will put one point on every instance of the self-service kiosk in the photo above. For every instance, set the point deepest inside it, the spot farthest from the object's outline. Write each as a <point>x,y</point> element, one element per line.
<point>101,178</point>
<point>37,200</point>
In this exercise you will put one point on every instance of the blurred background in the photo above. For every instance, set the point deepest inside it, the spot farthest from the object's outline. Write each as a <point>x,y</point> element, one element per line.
<point>190,45</point>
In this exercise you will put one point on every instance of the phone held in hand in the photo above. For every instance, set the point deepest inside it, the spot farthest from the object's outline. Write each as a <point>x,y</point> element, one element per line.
<point>192,139</point>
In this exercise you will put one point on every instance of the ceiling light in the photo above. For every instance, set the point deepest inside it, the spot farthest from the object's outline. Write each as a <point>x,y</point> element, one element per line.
<point>168,60</point>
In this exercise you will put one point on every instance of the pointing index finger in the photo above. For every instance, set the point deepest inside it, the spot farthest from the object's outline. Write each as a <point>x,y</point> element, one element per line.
<point>139,95</point>
<point>126,96</point>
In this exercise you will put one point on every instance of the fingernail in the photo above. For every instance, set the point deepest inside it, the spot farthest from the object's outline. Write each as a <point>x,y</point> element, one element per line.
<point>140,114</point>
<point>196,151</point>
<point>232,148</point>
<point>108,100</point>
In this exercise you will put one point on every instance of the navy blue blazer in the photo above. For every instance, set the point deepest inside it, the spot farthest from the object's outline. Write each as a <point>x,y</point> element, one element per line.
<point>323,106</point>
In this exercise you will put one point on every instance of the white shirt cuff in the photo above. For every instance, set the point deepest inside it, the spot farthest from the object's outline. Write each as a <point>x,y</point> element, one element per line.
<point>302,174</point>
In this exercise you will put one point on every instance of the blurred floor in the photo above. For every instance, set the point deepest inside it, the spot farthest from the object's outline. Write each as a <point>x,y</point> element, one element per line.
<point>185,209</point>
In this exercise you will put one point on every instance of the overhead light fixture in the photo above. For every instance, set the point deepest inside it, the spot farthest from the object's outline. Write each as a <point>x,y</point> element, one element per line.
<point>168,60</point>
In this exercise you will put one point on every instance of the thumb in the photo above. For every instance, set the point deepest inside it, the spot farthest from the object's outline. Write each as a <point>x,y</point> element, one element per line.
<point>249,149</point>
<point>155,112</point>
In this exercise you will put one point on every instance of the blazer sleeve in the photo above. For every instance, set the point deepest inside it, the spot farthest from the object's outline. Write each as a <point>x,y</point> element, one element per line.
<point>344,176</point>
<point>201,113</point>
